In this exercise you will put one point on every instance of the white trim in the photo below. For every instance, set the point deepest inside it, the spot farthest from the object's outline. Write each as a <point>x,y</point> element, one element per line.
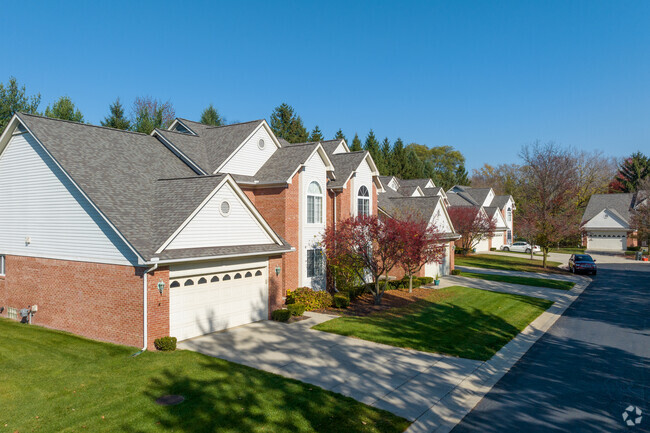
<point>177,120</point>
<point>182,156</point>
<point>223,257</point>
<point>81,191</point>
<point>262,124</point>
<point>246,202</point>
<point>3,265</point>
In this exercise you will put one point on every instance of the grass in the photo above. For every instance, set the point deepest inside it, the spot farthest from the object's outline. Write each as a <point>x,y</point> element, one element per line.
<point>567,250</point>
<point>508,263</point>
<point>526,281</point>
<point>458,321</point>
<point>51,381</point>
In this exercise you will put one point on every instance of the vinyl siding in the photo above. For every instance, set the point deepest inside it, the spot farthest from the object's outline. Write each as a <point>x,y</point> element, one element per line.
<point>439,219</point>
<point>340,149</point>
<point>250,158</point>
<point>209,228</point>
<point>311,233</point>
<point>363,176</point>
<point>606,220</point>
<point>39,202</point>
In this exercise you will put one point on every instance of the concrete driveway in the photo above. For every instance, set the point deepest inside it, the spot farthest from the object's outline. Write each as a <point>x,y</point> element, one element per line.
<point>405,382</point>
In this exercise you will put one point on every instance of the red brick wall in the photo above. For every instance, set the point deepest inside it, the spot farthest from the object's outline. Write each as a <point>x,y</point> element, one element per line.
<point>452,256</point>
<point>374,199</point>
<point>276,284</point>
<point>98,301</point>
<point>157,306</point>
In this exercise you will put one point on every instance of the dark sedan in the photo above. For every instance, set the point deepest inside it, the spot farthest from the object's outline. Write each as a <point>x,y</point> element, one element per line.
<point>582,263</point>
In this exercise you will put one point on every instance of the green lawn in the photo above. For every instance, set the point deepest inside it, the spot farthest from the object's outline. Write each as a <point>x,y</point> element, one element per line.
<point>493,261</point>
<point>567,250</point>
<point>527,281</point>
<point>55,382</point>
<point>458,321</point>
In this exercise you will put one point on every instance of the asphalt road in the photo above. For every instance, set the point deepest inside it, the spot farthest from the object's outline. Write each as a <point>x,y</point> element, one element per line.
<point>592,364</point>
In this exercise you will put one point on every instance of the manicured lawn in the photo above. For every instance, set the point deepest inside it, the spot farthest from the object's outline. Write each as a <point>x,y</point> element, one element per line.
<point>508,263</point>
<point>55,382</point>
<point>537,282</point>
<point>567,250</point>
<point>458,321</point>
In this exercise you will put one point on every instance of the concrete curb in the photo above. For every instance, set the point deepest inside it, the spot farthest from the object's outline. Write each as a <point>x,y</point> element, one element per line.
<point>443,416</point>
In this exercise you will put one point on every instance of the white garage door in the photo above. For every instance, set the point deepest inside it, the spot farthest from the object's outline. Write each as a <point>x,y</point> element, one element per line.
<point>200,304</point>
<point>483,245</point>
<point>441,269</point>
<point>497,240</point>
<point>604,242</point>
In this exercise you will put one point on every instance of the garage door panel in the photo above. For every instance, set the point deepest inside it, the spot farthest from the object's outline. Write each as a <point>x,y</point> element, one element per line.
<point>607,242</point>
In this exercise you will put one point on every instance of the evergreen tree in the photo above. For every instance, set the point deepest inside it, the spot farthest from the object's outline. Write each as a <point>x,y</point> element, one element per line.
<point>339,135</point>
<point>286,124</point>
<point>372,146</point>
<point>414,168</point>
<point>356,143</point>
<point>398,159</point>
<point>13,100</point>
<point>461,176</point>
<point>316,134</point>
<point>632,171</point>
<point>64,109</point>
<point>150,113</point>
<point>385,155</point>
<point>210,116</point>
<point>116,118</point>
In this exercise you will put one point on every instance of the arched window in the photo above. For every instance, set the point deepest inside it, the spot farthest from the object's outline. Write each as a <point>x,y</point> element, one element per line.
<point>248,275</point>
<point>237,276</point>
<point>202,280</point>
<point>189,283</point>
<point>258,273</point>
<point>314,203</point>
<point>174,284</point>
<point>509,214</point>
<point>226,277</point>
<point>214,279</point>
<point>363,201</point>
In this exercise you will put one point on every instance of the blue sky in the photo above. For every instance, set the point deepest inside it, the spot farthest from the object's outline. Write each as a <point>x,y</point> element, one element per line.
<point>485,77</point>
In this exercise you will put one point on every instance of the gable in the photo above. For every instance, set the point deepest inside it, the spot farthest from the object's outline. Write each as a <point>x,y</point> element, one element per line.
<point>45,215</point>
<point>251,156</point>
<point>341,148</point>
<point>429,184</point>
<point>210,227</point>
<point>606,219</point>
<point>441,220</point>
<point>393,184</point>
<point>488,198</point>
<point>417,192</point>
<point>499,221</point>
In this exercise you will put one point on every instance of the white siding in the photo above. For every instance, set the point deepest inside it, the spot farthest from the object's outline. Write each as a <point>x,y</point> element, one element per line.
<point>311,234</point>
<point>341,148</point>
<point>209,228</point>
<point>606,219</point>
<point>488,199</point>
<point>39,202</point>
<point>439,219</point>
<point>363,176</point>
<point>250,158</point>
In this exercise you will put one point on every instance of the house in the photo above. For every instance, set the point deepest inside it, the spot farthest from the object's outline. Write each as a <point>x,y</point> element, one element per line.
<point>127,237</point>
<point>420,197</point>
<point>499,208</point>
<point>606,221</point>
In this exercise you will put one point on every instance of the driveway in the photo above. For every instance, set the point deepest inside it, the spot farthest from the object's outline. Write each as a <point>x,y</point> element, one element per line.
<point>405,382</point>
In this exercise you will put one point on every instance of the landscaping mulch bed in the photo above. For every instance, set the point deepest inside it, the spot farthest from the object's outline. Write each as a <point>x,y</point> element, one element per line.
<point>365,304</point>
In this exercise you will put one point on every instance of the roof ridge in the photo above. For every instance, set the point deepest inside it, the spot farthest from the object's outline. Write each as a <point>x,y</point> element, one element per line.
<point>205,176</point>
<point>177,132</point>
<point>22,113</point>
<point>231,124</point>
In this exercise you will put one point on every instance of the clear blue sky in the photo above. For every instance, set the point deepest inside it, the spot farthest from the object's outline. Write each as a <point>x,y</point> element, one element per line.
<point>483,76</point>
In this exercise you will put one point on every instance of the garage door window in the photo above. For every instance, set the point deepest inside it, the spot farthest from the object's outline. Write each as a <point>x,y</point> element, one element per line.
<point>258,273</point>
<point>174,284</point>
<point>248,275</point>
<point>203,281</point>
<point>226,277</point>
<point>237,276</point>
<point>314,263</point>
<point>214,279</point>
<point>189,283</point>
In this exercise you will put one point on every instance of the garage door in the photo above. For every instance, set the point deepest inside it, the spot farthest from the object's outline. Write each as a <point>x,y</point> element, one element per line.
<point>204,303</point>
<point>497,240</point>
<point>483,245</point>
<point>603,242</point>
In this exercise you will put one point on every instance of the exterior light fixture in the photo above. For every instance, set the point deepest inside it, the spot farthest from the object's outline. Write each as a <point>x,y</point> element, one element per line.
<point>161,286</point>
<point>277,270</point>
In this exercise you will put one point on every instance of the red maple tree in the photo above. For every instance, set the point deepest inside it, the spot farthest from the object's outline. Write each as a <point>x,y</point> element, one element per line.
<point>472,224</point>
<point>421,243</point>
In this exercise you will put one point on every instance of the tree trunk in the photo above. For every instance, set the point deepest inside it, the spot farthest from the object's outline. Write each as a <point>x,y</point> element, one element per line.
<point>410,283</point>
<point>545,252</point>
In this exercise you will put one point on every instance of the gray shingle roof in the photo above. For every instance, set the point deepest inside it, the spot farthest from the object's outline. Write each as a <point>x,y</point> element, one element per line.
<point>420,206</point>
<point>619,202</point>
<point>284,162</point>
<point>224,251</point>
<point>407,191</point>
<point>385,180</point>
<point>460,199</point>
<point>330,146</point>
<point>500,201</point>
<point>414,182</point>
<point>344,165</point>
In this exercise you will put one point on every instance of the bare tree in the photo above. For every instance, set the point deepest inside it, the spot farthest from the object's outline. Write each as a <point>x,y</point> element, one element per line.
<point>640,219</point>
<point>595,172</point>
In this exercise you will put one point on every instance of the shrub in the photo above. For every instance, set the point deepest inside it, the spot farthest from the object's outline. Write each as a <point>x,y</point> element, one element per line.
<point>281,315</point>
<point>165,344</point>
<point>426,280</point>
<point>493,249</point>
<point>456,272</point>
<point>296,309</point>
<point>311,299</point>
<point>633,248</point>
<point>341,300</point>
<point>355,292</point>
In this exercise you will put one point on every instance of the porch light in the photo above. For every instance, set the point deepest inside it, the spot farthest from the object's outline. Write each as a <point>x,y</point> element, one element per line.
<point>277,270</point>
<point>161,286</point>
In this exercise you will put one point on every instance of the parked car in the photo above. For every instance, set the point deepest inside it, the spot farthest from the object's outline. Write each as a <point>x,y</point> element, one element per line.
<point>521,247</point>
<point>582,263</point>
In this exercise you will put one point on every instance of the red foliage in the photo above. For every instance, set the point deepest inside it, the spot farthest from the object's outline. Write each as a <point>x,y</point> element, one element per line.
<point>472,224</point>
<point>421,244</point>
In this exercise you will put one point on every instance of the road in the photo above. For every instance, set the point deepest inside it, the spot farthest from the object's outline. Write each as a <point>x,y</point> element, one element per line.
<point>591,365</point>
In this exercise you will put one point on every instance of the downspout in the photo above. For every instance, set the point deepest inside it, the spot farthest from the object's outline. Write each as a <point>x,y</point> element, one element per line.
<point>145,309</point>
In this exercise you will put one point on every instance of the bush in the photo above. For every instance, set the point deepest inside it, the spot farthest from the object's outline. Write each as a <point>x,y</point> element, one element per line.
<point>165,344</point>
<point>341,300</point>
<point>355,292</point>
<point>493,249</point>
<point>281,315</point>
<point>456,272</point>
<point>311,299</point>
<point>296,309</point>
<point>426,280</point>
<point>633,248</point>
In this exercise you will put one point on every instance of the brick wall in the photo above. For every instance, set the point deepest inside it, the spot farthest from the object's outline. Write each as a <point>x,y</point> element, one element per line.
<point>98,301</point>
<point>157,306</point>
<point>276,285</point>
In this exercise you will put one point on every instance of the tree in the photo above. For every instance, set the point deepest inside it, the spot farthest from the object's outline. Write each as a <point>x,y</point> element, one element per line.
<point>631,171</point>
<point>640,218</point>
<point>398,159</point>
<point>64,109</point>
<point>421,243</point>
<point>150,113</point>
<point>356,143</point>
<point>116,118</point>
<point>286,124</point>
<point>413,168</point>
<point>210,116</point>
<point>460,175</point>
<point>13,99</point>
<point>316,134</point>
<point>339,135</point>
<point>366,244</point>
<point>443,163</point>
<point>372,146</point>
<point>472,224</point>
<point>595,172</point>
<point>548,192</point>
<point>385,151</point>
<point>504,179</point>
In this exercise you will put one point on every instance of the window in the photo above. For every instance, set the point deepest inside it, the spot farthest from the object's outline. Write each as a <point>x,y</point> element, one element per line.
<point>363,202</point>
<point>189,283</point>
<point>174,284</point>
<point>237,276</point>
<point>224,208</point>
<point>509,215</point>
<point>202,280</point>
<point>258,273</point>
<point>226,277</point>
<point>261,144</point>
<point>2,265</point>
<point>248,275</point>
<point>214,279</point>
<point>509,236</point>
<point>314,203</point>
<point>314,263</point>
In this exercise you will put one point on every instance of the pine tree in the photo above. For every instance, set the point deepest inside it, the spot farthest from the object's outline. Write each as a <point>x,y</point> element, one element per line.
<point>398,159</point>
<point>461,176</point>
<point>372,146</point>
<point>385,154</point>
<point>316,134</point>
<point>414,168</point>
<point>116,118</point>
<point>339,135</point>
<point>356,143</point>
<point>210,116</point>
<point>286,124</point>
<point>64,109</point>
<point>631,172</point>
<point>13,100</point>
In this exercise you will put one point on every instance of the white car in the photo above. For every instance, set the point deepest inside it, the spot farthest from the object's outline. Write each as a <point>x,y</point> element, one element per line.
<point>521,247</point>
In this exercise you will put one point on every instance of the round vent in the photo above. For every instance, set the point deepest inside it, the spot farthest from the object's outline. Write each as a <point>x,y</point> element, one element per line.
<point>261,143</point>
<point>225,208</point>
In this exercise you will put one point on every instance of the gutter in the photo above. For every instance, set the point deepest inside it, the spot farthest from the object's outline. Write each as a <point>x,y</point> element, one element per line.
<point>145,309</point>
<point>227,256</point>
